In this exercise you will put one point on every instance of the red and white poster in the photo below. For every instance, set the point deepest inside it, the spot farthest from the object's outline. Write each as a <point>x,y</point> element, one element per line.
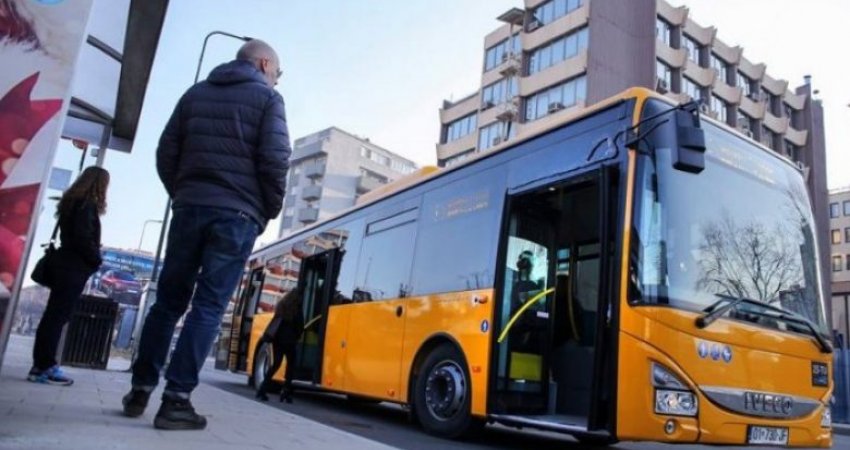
<point>40,41</point>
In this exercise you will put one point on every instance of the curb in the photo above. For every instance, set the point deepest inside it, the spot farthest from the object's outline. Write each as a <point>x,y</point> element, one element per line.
<point>840,428</point>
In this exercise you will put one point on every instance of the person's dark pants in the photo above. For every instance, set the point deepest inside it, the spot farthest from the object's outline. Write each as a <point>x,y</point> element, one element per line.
<point>281,350</point>
<point>68,284</point>
<point>206,254</point>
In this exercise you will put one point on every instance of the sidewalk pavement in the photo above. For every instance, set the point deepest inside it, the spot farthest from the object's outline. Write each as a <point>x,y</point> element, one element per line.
<point>88,415</point>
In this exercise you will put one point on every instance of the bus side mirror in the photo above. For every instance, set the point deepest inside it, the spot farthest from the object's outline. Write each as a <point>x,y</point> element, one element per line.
<point>690,141</point>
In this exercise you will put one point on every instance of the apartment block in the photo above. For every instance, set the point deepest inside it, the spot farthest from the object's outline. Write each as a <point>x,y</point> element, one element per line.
<point>550,59</point>
<point>839,239</point>
<point>329,170</point>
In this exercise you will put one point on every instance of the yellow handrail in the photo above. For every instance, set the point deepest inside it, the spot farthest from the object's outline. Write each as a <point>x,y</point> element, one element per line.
<point>525,306</point>
<point>312,321</point>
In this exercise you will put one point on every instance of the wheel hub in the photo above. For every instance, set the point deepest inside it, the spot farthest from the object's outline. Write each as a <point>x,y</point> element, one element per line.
<point>445,390</point>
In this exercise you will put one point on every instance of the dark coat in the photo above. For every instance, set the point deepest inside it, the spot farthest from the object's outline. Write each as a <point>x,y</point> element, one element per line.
<point>79,232</point>
<point>287,324</point>
<point>227,144</point>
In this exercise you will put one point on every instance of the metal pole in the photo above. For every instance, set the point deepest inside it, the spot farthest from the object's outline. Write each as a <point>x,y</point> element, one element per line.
<point>144,227</point>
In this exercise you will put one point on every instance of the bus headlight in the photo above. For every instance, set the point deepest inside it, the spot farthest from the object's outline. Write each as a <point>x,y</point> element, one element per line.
<point>672,396</point>
<point>675,403</point>
<point>826,417</point>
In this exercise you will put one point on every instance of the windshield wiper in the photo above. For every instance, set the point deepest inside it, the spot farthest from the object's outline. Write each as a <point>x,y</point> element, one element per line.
<point>712,313</point>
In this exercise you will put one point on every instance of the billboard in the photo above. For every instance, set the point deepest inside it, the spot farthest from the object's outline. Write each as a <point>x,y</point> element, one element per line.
<point>40,42</point>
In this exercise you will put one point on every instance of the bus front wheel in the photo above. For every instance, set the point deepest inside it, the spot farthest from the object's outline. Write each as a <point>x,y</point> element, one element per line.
<point>262,361</point>
<point>442,394</point>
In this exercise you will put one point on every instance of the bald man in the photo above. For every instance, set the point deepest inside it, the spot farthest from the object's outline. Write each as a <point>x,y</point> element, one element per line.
<point>223,159</point>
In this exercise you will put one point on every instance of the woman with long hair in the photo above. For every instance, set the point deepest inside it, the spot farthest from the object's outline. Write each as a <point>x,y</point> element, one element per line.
<point>77,258</point>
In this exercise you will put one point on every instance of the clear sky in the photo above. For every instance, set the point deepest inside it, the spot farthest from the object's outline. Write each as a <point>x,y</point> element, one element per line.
<point>381,68</point>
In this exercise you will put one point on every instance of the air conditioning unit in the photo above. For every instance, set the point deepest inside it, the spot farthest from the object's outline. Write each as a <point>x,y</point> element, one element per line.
<point>704,108</point>
<point>662,86</point>
<point>755,96</point>
<point>555,107</point>
<point>747,132</point>
<point>533,25</point>
<point>487,105</point>
<point>497,140</point>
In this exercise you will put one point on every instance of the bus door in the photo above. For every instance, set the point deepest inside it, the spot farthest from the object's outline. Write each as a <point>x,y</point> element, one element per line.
<point>243,319</point>
<point>548,314</point>
<point>317,283</point>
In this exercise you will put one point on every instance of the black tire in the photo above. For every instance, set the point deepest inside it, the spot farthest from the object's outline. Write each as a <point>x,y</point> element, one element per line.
<point>442,397</point>
<point>262,361</point>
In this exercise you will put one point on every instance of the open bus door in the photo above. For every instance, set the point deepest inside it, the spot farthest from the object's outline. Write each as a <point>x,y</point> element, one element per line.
<point>243,319</point>
<point>317,284</point>
<point>553,344</point>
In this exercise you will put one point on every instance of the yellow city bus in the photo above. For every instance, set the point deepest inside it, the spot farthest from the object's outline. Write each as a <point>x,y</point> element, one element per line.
<point>637,271</point>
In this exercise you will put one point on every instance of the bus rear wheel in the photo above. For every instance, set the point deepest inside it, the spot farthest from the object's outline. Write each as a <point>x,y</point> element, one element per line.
<point>442,396</point>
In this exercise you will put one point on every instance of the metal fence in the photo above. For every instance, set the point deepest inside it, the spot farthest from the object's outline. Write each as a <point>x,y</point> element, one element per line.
<point>841,373</point>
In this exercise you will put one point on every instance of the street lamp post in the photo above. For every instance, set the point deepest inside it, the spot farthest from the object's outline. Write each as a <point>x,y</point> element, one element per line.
<point>150,294</point>
<point>144,227</point>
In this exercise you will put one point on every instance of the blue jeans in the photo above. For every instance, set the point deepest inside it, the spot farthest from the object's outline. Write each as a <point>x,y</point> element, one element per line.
<point>206,254</point>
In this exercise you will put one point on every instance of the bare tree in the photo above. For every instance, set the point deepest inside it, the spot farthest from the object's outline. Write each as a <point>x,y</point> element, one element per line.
<point>749,260</point>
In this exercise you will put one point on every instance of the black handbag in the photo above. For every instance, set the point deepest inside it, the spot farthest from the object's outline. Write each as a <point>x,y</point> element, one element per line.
<point>41,271</point>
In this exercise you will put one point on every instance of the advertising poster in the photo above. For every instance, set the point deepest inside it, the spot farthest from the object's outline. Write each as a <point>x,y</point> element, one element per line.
<point>40,41</point>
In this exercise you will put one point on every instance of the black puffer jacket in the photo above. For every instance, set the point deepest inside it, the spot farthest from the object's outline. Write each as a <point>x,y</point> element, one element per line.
<point>227,144</point>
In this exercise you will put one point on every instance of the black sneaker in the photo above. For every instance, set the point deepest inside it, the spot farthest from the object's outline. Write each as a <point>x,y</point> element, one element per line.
<point>178,414</point>
<point>135,402</point>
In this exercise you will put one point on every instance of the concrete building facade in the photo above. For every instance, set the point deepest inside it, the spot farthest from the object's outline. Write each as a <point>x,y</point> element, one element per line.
<point>552,58</point>
<point>329,170</point>
<point>839,239</point>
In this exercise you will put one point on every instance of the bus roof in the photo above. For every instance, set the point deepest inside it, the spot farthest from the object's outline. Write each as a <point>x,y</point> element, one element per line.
<point>426,173</point>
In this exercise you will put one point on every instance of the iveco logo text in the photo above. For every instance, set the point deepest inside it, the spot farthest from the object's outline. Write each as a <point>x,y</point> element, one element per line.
<point>768,403</point>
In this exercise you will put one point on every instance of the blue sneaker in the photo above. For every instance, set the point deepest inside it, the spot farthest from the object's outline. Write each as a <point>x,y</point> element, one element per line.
<point>53,375</point>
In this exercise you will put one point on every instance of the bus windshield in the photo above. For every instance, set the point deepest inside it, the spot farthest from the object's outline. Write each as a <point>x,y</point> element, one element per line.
<point>742,228</point>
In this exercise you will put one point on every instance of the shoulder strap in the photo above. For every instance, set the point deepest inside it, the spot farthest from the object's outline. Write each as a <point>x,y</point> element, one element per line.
<point>55,232</point>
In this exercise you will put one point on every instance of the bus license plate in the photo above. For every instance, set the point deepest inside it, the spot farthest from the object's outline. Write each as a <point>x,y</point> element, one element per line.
<point>767,435</point>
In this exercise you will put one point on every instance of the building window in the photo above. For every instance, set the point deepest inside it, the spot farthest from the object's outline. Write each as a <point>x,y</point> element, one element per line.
<point>746,84</point>
<point>789,111</point>
<point>720,67</point>
<point>557,51</point>
<point>552,11</point>
<point>662,31</point>
<point>379,158</point>
<point>556,98</point>
<point>461,127</point>
<point>401,166</point>
<point>836,263</point>
<point>499,92</point>
<point>767,137</point>
<point>792,151</point>
<point>693,48</point>
<point>494,134</point>
<point>746,124</point>
<point>772,101</point>
<point>498,53</point>
<point>836,236</point>
<point>365,152</point>
<point>693,90</point>
<point>847,258</point>
<point>459,158</point>
<point>847,235</point>
<point>664,74</point>
<point>718,106</point>
<point>834,210</point>
<point>847,208</point>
